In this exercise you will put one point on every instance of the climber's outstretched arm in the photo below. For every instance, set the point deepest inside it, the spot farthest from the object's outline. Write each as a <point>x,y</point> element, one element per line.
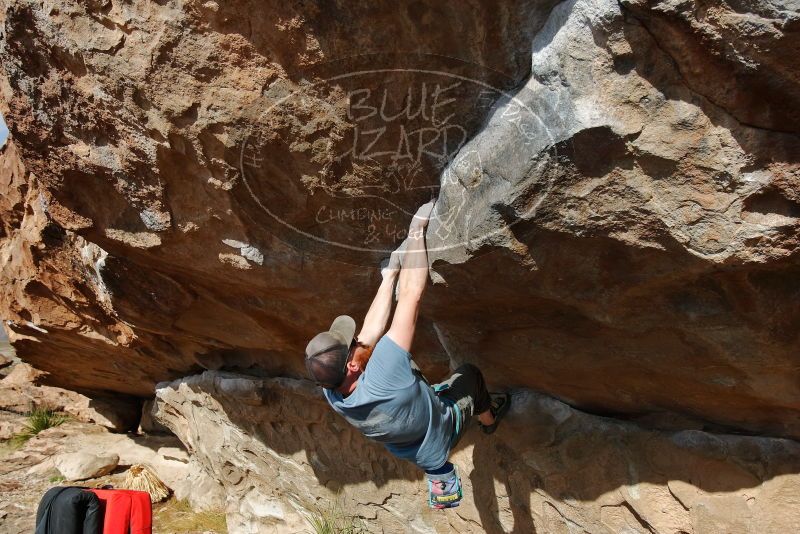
<point>413,278</point>
<point>381,308</point>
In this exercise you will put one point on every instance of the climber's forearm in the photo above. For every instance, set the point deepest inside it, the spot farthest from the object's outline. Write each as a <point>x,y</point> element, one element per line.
<point>412,282</point>
<point>414,272</point>
<point>379,311</point>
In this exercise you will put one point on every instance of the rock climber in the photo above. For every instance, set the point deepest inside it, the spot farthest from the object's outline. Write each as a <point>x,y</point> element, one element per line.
<point>371,380</point>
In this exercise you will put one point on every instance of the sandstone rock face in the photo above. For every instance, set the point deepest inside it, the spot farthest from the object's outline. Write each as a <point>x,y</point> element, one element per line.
<point>203,187</point>
<point>279,451</point>
<point>159,140</point>
<point>649,236</point>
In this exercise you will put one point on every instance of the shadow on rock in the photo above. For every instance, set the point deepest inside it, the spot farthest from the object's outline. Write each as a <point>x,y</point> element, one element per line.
<point>549,468</point>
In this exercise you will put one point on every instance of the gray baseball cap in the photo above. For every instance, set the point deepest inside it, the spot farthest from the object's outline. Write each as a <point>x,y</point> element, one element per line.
<point>327,353</point>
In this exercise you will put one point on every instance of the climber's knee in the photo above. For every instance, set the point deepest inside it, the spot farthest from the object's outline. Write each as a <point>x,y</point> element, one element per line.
<point>467,369</point>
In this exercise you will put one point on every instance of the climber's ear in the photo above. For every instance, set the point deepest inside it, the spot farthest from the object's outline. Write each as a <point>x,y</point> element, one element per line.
<point>361,355</point>
<point>353,366</point>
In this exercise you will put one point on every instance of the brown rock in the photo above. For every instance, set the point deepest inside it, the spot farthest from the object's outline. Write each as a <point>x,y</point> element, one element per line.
<point>23,374</point>
<point>206,185</point>
<point>5,363</point>
<point>623,233</point>
<point>11,424</point>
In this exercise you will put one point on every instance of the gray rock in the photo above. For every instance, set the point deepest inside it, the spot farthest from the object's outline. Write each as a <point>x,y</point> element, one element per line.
<point>85,465</point>
<point>147,423</point>
<point>280,452</point>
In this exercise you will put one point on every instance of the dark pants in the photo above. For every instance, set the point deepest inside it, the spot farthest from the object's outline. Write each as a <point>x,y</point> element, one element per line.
<point>467,390</point>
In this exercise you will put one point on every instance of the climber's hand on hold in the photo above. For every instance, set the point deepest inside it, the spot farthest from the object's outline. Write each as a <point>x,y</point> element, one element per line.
<point>390,267</point>
<point>420,220</point>
<point>414,255</point>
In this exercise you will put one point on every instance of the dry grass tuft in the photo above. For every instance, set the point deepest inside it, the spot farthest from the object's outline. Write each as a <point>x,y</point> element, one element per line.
<point>141,478</point>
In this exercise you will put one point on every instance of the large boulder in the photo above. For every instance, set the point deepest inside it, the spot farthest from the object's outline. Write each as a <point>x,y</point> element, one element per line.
<point>280,453</point>
<point>206,184</point>
<point>640,253</point>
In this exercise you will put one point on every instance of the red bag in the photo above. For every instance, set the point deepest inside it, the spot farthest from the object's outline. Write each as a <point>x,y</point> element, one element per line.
<point>141,512</point>
<point>125,511</point>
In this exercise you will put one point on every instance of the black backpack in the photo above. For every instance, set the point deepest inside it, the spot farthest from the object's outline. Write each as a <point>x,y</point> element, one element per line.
<point>68,510</point>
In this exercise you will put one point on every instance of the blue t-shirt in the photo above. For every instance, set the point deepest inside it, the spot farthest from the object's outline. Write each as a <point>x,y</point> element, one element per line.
<point>394,406</point>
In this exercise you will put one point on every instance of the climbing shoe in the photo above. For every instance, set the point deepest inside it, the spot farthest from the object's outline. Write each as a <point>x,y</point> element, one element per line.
<point>501,402</point>
<point>444,489</point>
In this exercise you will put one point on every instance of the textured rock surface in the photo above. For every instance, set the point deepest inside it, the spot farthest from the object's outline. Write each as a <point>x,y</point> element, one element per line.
<point>278,449</point>
<point>200,185</point>
<point>654,244</point>
<point>83,465</point>
<point>147,118</point>
<point>11,423</point>
<point>640,225</point>
<point>7,355</point>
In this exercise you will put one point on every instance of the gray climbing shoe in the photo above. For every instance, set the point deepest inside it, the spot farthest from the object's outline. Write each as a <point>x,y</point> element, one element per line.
<point>501,402</point>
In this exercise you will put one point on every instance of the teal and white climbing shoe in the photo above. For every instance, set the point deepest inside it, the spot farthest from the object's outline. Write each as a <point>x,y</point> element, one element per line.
<point>444,490</point>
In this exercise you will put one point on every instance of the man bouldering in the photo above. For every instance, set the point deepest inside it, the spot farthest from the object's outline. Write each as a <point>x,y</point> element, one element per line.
<point>372,382</point>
